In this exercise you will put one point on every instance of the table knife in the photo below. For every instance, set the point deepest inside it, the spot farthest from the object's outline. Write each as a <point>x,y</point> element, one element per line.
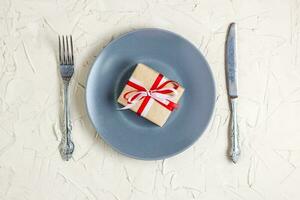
<point>232,89</point>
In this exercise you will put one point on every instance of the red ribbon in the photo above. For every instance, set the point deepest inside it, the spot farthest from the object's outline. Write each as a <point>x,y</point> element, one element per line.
<point>155,89</point>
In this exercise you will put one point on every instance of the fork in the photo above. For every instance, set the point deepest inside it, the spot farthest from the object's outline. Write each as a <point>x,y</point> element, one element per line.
<point>66,61</point>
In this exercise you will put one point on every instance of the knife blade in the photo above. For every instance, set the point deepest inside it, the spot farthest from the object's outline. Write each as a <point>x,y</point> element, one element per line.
<point>232,88</point>
<point>231,61</point>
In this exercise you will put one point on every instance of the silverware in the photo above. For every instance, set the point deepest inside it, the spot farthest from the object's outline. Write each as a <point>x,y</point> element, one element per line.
<point>66,60</point>
<point>231,72</point>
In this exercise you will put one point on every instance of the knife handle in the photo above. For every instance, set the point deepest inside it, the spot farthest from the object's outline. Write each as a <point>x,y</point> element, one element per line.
<point>235,146</point>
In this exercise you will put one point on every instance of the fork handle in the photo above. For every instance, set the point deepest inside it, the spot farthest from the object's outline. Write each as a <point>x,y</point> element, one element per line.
<point>235,146</point>
<point>67,143</point>
<point>67,121</point>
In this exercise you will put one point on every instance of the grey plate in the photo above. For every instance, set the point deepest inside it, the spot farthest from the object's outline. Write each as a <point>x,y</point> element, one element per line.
<point>177,59</point>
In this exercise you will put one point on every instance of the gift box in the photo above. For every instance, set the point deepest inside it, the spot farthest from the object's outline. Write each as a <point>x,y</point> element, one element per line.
<point>151,95</point>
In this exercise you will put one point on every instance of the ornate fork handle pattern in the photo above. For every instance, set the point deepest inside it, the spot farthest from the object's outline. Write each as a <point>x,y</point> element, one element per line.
<point>66,145</point>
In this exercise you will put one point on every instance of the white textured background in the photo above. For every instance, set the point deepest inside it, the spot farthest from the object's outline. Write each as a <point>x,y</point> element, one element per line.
<point>269,108</point>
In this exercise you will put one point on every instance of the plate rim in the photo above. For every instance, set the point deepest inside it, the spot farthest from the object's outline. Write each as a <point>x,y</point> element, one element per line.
<point>99,132</point>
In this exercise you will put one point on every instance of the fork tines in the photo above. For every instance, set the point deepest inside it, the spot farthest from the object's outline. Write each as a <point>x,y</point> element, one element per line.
<point>66,50</point>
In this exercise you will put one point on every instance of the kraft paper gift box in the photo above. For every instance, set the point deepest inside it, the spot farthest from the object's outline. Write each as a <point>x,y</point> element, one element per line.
<point>158,107</point>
